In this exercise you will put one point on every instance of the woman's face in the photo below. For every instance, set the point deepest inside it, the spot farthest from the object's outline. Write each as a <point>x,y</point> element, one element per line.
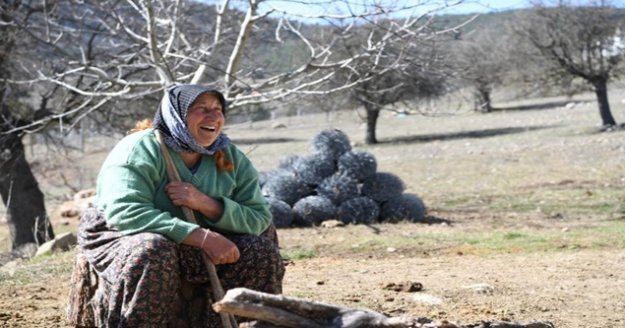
<point>205,119</point>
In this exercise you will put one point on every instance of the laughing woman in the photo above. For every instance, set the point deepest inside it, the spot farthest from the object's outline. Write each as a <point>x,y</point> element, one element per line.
<point>147,257</point>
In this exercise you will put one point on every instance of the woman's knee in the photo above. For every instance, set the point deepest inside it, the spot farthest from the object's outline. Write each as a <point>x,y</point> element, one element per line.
<point>153,249</point>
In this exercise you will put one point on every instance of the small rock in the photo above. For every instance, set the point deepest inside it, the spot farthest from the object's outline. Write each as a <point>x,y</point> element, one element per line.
<point>332,224</point>
<point>482,288</point>
<point>62,242</point>
<point>427,299</point>
<point>408,287</point>
<point>278,125</point>
<point>10,268</point>
<point>85,193</point>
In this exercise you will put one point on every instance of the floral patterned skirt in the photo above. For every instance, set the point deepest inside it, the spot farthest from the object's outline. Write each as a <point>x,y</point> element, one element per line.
<point>147,280</point>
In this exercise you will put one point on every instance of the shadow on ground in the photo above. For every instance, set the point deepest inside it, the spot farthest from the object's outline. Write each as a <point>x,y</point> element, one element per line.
<point>485,133</point>
<point>540,106</point>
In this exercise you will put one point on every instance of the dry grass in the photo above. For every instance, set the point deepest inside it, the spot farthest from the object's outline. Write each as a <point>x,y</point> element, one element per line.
<point>529,201</point>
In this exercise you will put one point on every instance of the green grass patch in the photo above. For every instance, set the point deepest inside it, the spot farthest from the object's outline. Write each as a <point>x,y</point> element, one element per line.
<point>591,201</point>
<point>298,253</point>
<point>40,268</point>
<point>602,235</point>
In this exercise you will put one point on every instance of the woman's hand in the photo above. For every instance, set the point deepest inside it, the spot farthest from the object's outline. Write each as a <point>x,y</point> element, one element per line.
<point>219,249</point>
<point>185,194</point>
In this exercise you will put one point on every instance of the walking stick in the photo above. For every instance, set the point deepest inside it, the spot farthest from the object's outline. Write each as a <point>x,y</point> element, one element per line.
<point>227,320</point>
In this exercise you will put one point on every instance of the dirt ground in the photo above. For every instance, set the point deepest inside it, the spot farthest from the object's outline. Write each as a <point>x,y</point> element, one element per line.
<point>569,288</point>
<point>533,175</point>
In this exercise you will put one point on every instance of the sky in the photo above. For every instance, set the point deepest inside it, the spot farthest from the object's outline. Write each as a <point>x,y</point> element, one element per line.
<point>316,7</point>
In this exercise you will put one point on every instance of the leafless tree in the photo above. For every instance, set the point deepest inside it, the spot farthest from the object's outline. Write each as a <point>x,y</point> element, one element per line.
<point>113,57</point>
<point>412,65</point>
<point>584,40</point>
<point>482,60</point>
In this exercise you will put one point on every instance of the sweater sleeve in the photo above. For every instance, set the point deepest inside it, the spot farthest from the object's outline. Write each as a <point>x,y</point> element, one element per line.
<point>245,210</point>
<point>127,185</point>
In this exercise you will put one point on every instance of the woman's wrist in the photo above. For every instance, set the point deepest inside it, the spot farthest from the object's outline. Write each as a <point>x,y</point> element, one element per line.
<point>197,238</point>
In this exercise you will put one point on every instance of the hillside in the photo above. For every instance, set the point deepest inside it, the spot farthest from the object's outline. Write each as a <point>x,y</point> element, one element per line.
<point>526,220</point>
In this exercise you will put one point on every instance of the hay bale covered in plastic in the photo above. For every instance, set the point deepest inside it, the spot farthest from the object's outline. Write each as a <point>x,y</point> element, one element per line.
<point>313,210</point>
<point>281,212</point>
<point>338,188</point>
<point>332,142</point>
<point>358,210</point>
<point>288,163</point>
<point>407,207</point>
<point>383,186</point>
<point>263,176</point>
<point>313,168</point>
<point>286,187</point>
<point>358,164</point>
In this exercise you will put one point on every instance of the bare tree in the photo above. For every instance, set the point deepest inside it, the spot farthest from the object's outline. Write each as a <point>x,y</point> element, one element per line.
<point>20,192</point>
<point>482,61</point>
<point>113,57</point>
<point>411,65</point>
<point>585,41</point>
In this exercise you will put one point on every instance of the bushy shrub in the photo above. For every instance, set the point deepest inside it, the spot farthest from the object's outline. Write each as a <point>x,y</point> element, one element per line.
<point>407,207</point>
<point>281,212</point>
<point>338,188</point>
<point>332,142</point>
<point>383,186</point>
<point>313,210</point>
<point>358,210</point>
<point>358,164</point>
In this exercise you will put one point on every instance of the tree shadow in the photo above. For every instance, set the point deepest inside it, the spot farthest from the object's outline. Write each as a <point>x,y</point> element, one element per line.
<point>262,141</point>
<point>431,219</point>
<point>428,219</point>
<point>540,106</point>
<point>486,133</point>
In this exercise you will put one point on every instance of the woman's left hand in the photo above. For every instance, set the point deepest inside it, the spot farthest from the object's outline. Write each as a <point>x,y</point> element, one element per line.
<point>185,194</point>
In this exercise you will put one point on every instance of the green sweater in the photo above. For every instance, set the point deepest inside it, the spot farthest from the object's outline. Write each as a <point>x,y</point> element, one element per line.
<point>131,191</point>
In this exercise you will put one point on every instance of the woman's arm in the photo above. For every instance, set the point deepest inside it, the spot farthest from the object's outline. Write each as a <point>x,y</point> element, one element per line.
<point>126,188</point>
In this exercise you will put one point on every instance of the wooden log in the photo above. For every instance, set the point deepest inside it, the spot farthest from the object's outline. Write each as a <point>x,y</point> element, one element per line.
<point>278,311</point>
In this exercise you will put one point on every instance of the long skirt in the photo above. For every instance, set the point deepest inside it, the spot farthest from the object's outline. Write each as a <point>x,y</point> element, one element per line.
<point>147,280</point>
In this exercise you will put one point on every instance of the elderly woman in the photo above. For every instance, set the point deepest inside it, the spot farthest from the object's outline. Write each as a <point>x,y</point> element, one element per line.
<point>146,255</point>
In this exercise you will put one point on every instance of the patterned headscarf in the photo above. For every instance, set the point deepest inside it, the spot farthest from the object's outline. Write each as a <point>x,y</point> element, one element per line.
<point>171,119</point>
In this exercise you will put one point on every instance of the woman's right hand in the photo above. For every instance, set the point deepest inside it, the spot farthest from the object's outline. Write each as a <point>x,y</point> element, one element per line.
<point>219,249</point>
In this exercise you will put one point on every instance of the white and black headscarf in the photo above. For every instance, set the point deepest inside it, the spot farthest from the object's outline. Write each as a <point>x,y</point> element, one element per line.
<point>171,119</point>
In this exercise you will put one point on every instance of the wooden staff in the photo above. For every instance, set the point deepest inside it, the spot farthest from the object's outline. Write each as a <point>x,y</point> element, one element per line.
<point>227,320</point>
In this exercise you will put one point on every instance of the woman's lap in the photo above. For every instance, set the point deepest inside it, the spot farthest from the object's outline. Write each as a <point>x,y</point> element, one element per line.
<point>151,280</point>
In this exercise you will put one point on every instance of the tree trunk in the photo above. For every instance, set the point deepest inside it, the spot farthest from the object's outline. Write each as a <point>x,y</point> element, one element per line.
<point>373,112</point>
<point>483,101</point>
<point>601,90</point>
<point>26,211</point>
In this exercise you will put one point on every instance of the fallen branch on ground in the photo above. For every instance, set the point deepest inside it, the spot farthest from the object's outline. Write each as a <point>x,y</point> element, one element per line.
<point>274,311</point>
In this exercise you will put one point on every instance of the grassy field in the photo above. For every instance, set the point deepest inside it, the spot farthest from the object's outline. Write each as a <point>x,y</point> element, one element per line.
<point>530,202</point>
